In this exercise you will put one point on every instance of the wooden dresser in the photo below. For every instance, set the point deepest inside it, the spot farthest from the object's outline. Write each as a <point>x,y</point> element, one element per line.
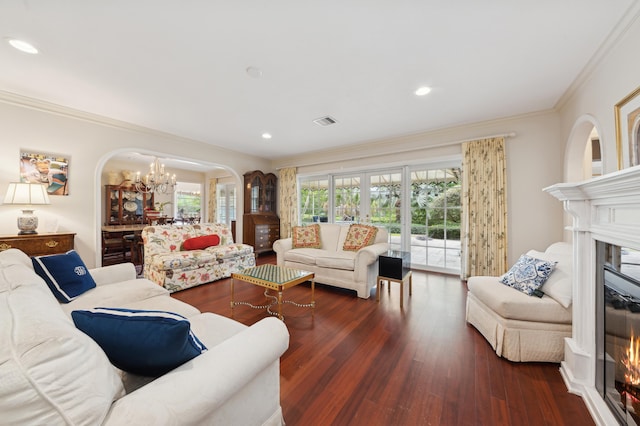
<point>39,244</point>
<point>262,231</point>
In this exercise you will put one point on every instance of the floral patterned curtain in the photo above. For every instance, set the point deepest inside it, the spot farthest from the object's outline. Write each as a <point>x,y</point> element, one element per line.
<point>484,208</point>
<point>288,201</point>
<point>213,201</point>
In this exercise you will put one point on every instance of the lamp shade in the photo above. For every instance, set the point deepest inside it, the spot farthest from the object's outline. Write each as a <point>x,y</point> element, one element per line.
<point>26,193</point>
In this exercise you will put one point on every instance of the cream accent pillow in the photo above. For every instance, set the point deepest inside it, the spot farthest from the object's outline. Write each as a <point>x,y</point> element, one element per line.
<point>306,236</point>
<point>558,285</point>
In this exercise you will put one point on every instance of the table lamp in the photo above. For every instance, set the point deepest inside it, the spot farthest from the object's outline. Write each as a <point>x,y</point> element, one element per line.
<point>27,194</point>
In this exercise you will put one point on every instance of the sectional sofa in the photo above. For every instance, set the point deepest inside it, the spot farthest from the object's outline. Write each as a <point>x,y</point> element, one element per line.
<point>51,373</point>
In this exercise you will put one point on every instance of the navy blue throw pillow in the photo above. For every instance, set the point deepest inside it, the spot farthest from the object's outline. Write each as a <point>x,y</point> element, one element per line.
<point>65,274</point>
<point>148,343</point>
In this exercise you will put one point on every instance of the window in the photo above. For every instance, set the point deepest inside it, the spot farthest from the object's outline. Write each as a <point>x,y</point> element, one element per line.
<point>226,203</point>
<point>419,206</point>
<point>188,200</point>
<point>385,194</point>
<point>314,200</point>
<point>346,199</point>
<point>435,218</point>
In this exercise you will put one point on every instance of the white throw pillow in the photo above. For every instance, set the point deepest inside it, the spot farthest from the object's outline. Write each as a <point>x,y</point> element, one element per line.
<point>558,285</point>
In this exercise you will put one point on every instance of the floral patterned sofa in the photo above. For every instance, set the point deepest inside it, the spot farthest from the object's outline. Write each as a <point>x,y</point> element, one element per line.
<point>171,260</point>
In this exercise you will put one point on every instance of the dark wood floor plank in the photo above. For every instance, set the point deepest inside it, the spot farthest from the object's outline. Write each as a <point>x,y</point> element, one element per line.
<point>358,362</point>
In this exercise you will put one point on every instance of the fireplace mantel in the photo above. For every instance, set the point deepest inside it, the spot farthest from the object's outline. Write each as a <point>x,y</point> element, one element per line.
<point>606,208</point>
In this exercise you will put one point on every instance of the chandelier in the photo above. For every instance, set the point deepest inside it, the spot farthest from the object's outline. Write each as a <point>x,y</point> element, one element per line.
<point>157,180</point>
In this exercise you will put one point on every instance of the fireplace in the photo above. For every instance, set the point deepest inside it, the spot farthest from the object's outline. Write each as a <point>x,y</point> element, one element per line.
<point>618,330</point>
<point>604,229</point>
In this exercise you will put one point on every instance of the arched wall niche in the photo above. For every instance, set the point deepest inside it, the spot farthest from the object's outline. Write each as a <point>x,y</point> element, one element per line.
<point>574,158</point>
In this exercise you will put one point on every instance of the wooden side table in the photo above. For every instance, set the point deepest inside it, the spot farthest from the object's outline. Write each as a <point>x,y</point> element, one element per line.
<point>394,266</point>
<point>39,244</point>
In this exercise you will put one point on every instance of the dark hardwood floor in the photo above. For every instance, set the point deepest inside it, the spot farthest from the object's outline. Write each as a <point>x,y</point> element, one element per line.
<point>363,363</point>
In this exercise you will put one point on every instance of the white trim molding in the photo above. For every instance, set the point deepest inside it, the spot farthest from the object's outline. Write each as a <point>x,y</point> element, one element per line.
<point>606,208</point>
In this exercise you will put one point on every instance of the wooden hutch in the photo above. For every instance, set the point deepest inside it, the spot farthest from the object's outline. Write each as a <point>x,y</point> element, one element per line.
<point>124,205</point>
<point>261,225</point>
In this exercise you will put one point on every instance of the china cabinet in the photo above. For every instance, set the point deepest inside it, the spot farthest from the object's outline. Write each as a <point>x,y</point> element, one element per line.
<point>124,205</point>
<point>261,225</point>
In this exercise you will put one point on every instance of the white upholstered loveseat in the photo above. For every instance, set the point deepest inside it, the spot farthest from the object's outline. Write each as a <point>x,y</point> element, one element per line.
<point>521,327</point>
<point>51,373</point>
<point>353,270</point>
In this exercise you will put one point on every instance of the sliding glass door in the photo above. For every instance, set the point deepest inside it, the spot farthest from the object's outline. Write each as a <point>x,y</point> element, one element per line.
<point>385,194</point>
<point>346,199</point>
<point>419,206</point>
<point>435,218</point>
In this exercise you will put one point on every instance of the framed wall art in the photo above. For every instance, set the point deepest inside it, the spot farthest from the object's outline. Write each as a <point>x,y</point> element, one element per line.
<point>51,170</point>
<point>627,113</point>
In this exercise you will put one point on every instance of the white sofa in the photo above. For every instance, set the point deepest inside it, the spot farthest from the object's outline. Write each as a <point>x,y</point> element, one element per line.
<point>520,327</point>
<point>353,270</point>
<point>51,373</point>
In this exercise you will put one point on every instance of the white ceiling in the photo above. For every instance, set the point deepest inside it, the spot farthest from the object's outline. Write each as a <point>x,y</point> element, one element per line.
<point>180,66</point>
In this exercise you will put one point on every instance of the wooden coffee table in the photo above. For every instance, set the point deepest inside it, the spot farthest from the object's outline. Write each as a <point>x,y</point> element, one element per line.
<point>278,278</point>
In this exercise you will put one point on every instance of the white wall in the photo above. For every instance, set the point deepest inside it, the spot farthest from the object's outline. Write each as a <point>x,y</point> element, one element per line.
<point>89,142</point>
<point>534,161</point>
<point>611,78</point>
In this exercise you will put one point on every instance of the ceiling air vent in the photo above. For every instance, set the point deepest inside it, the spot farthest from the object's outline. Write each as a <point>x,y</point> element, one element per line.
<point>325,121</point>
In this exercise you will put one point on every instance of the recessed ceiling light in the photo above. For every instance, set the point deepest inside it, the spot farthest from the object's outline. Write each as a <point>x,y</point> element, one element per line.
<point>266,136</point>
<point>423,91</point>
<point>254,72</point>
<point>22,46</point>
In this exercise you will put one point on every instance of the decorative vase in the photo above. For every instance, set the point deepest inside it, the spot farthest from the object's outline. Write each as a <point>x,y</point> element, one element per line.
<point>27,223</point>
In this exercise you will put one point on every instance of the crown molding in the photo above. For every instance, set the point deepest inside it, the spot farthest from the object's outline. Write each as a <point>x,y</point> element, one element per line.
<point>621,29</point>
<point>404,144</point>
<point>75,114</point>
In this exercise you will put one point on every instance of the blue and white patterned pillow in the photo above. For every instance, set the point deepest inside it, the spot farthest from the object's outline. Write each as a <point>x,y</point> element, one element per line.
<point>528,274</point>
<point>149,343</point>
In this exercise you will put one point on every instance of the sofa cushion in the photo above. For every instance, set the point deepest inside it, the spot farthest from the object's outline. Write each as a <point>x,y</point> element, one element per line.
<point>148,343</point>
<point>359,236</point>
<point>306,236</point>
<point>306,256</point>
<point>528,274</point>
<point>512,304</point>
<point>119,294</point>
<point>558,285</point>
<point>201,243</point>
<point>46,364</point>
<point>65,274</point>
<point>182,259</point>
<point>230,251</point>
<point>342,260</point>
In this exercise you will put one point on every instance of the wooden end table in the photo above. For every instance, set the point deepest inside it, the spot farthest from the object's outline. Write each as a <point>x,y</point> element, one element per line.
<point>394,266</point>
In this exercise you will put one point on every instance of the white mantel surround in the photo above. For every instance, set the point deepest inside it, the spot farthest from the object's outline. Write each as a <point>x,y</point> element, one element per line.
<point>606,208</point>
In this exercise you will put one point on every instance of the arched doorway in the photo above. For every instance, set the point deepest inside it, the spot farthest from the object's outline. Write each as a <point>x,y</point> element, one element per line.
<point>119,164</point>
